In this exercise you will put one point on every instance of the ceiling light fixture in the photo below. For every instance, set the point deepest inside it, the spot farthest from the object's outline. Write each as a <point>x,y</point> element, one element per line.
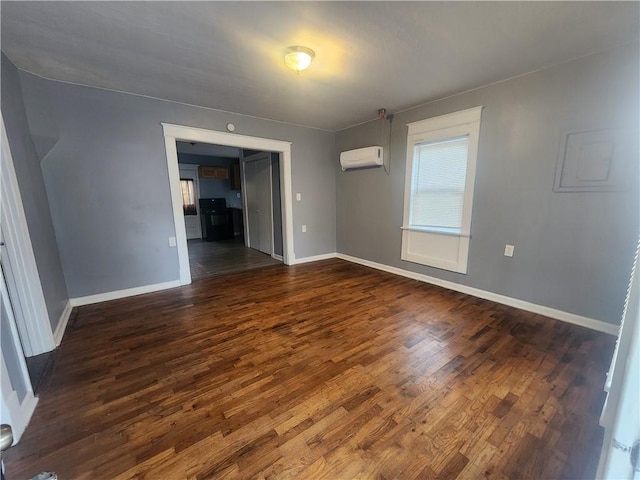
<point>298,58</point>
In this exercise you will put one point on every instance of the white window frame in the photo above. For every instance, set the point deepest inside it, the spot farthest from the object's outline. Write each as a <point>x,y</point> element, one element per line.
<point>441,247</point>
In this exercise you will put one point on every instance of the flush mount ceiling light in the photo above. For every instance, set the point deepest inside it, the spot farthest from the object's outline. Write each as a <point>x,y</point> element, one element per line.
<point>298,58</point>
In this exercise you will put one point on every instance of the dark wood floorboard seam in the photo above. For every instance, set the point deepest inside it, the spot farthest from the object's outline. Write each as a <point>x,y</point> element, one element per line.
<point>323,370</point>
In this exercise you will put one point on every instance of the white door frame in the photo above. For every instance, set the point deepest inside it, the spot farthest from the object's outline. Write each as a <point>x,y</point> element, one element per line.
<point>192,134</point>
<point>35,328</point>
<point>15,412</point>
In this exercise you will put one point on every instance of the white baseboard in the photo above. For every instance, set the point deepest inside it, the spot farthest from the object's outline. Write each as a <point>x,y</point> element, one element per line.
<point>277,257</point>
<point>62,323</point>
<point>314,258</point>
<point>19,414</point>
<point>129,292</point>
<point>591,323</point>
<point>27,408</point>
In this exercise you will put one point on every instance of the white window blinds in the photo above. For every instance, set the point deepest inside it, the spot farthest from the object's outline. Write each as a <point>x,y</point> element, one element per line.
<point>438,184</point>
<point>188,189</point>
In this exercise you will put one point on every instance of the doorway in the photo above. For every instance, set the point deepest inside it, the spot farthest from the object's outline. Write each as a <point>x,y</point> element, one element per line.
<point>216,191</point>
<point>240,206</point>
<point>280,177</point>
<point>173,133</point>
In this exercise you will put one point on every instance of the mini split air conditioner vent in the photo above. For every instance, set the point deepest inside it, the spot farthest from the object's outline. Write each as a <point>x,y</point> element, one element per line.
<point>362,157</point>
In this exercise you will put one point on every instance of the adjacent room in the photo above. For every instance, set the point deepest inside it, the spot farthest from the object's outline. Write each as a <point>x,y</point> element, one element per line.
<point>215,182</point>
<point>312,240</point>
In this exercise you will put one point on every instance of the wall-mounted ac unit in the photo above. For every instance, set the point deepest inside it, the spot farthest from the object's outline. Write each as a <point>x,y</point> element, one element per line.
<point>361,157</point>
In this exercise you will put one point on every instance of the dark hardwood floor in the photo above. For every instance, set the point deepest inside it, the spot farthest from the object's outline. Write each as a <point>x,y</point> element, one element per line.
<point>222,257</point>
<point>39,368</point>
<point>325,370</point>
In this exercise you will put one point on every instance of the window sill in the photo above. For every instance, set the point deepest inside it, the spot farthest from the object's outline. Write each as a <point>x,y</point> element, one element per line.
<point>444,231</point>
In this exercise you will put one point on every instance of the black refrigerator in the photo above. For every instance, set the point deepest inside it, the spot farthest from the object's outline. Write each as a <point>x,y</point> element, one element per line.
<point>217,219</point>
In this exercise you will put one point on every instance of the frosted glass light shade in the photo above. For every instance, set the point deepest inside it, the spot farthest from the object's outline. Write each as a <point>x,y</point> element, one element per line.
<point>298,58</point>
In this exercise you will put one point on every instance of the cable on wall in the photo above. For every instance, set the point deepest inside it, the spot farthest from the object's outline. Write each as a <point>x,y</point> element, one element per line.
<point>382,113</point>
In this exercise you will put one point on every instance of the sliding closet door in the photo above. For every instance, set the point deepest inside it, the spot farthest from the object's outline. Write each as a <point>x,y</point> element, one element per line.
<point>257,177</point>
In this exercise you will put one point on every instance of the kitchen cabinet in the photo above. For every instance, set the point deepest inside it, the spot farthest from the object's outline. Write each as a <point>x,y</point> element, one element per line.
<point>236,183</point>
<point>220,173</point>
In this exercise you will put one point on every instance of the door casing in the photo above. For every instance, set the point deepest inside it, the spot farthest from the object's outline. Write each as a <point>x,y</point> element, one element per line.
<point>191,134</point>
<point>34,324</point>
<point>15,411</point>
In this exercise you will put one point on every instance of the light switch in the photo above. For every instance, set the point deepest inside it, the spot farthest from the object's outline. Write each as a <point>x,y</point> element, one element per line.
<point>508,250</point>
<point>304,229</point>
<point>298,197</point>
<point>172,241</point>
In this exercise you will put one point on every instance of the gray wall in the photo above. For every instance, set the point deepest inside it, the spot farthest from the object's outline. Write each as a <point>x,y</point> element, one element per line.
<point>33,193</point>
<point>108,185</point>
<point>573,251</point>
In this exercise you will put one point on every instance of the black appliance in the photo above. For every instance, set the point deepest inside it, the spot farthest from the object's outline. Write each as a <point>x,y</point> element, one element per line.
<point>217,219</point>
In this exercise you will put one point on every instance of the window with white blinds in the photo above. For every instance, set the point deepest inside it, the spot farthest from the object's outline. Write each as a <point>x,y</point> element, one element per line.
<point>188,190</point>
<point>441,159</point>
<point>437,193</point>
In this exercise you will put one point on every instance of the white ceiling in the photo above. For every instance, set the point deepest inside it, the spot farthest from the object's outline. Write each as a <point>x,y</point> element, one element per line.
<point>228,55</point>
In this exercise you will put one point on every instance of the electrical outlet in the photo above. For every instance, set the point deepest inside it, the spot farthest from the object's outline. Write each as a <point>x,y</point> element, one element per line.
<point>298,197</point>
<point>172,241</point>
<point>304,229</point>
<point>508,250</point>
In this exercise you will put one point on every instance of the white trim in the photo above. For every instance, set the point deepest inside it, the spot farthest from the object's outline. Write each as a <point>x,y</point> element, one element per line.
<point>62,323</point>
<point>27,408</point>
<point>128,292</point>
<point>15,336</point>
<point>11,411</point>
<point>179,132</point>
<point>561,315</point>
<point>619,415</point>
<point>35,327</point>
<point>445,121</point>
<point>315,258</point>
<point>178,212</point>
<point>434,247</point>
<point>277,257</point>
<point>19,413</point>
<point>440,230</point>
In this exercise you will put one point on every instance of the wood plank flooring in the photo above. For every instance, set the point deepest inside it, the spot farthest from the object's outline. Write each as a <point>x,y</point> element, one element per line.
<point>39,368</point>
<point>222,257</point>
<point>325,370</point>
